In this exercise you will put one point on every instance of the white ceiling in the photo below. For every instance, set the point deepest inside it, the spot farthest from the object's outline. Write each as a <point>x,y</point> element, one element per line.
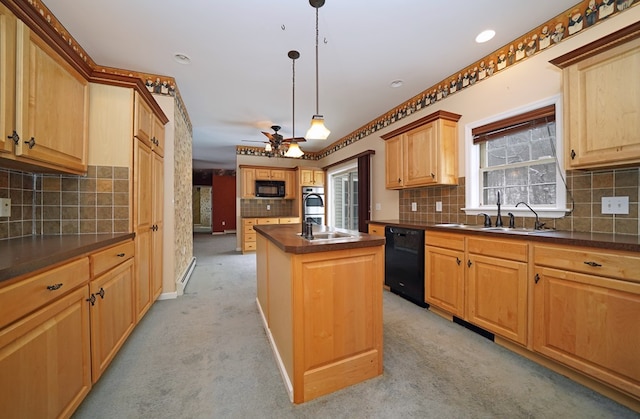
<point>239,81</point>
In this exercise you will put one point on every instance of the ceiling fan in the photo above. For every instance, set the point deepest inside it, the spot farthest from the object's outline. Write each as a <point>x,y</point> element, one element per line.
<point>276,142</point>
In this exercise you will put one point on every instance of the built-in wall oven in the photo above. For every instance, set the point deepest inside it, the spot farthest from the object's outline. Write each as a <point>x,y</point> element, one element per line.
<point>313,204</point>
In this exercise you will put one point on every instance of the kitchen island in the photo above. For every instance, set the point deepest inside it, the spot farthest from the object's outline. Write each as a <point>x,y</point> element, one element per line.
<point>321,303</point>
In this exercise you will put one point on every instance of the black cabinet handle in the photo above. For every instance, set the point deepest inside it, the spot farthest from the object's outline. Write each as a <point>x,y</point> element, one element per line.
<point>92,299</point>
<point>120,255</point>
<point>14,137</point>
<point>469,263</point>
<point>458,261</point>
<point>573,154</point>
<point>54,287</point>
<point>536,278</point>
<point>31,143</point>
<point>101,293</point>
<point>594,264</point>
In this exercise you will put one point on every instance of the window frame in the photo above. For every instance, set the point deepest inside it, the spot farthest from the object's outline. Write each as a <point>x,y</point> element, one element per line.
<point>329,191</point>
<point>473,189</point>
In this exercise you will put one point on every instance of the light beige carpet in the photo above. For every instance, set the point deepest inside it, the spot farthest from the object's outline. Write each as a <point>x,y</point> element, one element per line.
<point>206,355</point>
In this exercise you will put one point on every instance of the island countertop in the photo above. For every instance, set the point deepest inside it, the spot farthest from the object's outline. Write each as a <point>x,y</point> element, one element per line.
<point>287,237</point>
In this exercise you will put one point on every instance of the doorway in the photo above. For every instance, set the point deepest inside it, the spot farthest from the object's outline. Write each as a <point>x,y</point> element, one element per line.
<point>202,201</point>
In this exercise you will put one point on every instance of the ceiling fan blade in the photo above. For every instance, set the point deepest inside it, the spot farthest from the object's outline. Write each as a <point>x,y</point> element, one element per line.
<point>269,136</point>
<point>297,140</point>
<point>255,141</point>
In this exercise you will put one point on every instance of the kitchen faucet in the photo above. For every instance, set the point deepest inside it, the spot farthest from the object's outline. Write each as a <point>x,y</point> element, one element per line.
<point>499,216</point>
<point>537,225</point>
<point>307,227</point>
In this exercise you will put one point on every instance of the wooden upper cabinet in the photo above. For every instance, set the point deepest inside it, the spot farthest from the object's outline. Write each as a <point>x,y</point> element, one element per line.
<point>265,173</point>
<point>602,101</point>
<point>311,177</point>
<point>423,153</point>
<point>158,137</point>
<point>143,121</point>
<point>52,106</point>
<point>7,79</point>
<point>248,183</point>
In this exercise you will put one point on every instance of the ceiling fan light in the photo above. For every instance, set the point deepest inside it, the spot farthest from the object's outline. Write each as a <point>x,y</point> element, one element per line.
<point>267,147</point>
<point>317,130</point>
<point>294,151</point>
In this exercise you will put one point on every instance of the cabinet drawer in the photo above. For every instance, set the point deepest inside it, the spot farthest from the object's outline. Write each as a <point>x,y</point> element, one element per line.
<point>250,237</point>
<point>248,221</point>
<point>290,220</point>
<point>249,245</point>
<point>504,249</point>
<point>447,240</point>
<point>106,259</point>
<point>619,265</point>
<point>33,292</point>
<point>267,220</point>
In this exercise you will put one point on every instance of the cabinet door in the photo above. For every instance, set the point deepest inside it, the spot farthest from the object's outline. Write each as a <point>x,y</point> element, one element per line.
<point>158,226</point>
<point>143,221</point>
<point>420,162</point>
<point>318,177</point>
<point>112,315</point>
<point>444,279</point>
<point>7,78</point>
<point>143,121</point>
<point>376,229</point>
<point>158,137</point>
<point>249,183</point>
<point>589,323</point>
<point>263,174</point>
<point>602,110</point>
<point>52,106</point>
<point>290,185</point>
<point>498,296</point>
<point>306,177</point>
<point>393,163</point>
<point>45,360</point>
<point>277,175</point>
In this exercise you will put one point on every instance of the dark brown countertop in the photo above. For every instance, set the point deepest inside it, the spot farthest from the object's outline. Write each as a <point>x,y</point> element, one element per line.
<point>622,242</point>
<point>287,237</point>
<point>28,254</point>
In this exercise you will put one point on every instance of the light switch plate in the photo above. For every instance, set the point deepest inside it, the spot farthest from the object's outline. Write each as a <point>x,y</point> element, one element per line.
<point>5,207</point>
<point>438,206</point>
<point>615,205</point>
<point>414,206</point>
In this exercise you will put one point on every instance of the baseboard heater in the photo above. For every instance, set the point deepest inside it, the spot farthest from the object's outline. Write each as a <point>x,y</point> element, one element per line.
<point>184,280</point>
<point>474,328</point>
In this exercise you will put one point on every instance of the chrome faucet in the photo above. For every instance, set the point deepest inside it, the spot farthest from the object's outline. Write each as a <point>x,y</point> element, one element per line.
<point>537,225</point>
<point>307,225</point>
<point>499,216</point>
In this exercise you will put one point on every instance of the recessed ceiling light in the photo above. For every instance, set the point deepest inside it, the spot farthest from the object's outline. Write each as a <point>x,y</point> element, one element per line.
<point>485,36</point>
<point>396,83</point>
<point>182,58</point>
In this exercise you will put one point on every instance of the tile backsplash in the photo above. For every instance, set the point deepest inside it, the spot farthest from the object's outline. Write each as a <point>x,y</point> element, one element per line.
<point>66,204</point>
<point>258,208</point>
<point>585,190</point>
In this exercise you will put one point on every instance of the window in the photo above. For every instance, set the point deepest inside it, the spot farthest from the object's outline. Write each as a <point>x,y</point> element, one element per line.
<point>345,199</point>
<point>517,155</point>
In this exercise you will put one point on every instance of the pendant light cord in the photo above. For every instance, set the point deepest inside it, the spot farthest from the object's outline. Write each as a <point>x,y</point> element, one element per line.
<point>293,97</point>
<point>317,90</point>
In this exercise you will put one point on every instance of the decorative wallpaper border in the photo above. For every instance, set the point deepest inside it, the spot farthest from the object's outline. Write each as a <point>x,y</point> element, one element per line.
<point>581,17</point>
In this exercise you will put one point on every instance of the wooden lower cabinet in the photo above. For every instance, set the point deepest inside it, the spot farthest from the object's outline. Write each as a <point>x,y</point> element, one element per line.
<point>112,315</point>
<point>45,360</point>
<point>587,320</point>
<point>248,239</point>
<point>376,229</point>
<point>445,272</point>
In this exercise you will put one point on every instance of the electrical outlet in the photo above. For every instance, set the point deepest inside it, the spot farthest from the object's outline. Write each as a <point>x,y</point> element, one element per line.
<point>5,207</point>
<point>378,206</point>
<point>224,223</point>
<point>438,206</point>
<point>615,205</point>
<point>268,207</point>
<point>414,206</point>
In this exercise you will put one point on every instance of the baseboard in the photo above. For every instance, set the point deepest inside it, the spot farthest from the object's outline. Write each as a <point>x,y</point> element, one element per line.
<point>283,370</point>
<point>186,276</point>
<point>168,295</point>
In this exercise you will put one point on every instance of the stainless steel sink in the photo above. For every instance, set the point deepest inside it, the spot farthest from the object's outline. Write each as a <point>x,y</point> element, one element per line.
<point>328,235</point>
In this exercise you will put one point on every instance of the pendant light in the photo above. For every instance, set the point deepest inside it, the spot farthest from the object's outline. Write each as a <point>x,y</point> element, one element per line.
<point>294,149</point>
<point>317,130</point>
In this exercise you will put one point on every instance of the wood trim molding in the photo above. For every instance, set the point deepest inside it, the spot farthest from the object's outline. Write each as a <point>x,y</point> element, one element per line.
<point>621,36</point>
<point>357,156</point>
<point>424,120</point>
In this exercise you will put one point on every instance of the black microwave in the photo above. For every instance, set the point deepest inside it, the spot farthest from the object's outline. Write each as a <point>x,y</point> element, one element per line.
<point>270,189</point>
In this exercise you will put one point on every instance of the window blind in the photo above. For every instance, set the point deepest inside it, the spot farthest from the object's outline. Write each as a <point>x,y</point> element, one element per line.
<point>498,129</point>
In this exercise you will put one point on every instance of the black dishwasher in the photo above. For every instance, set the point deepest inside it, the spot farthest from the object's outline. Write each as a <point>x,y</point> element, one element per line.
<point>404,263</point>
